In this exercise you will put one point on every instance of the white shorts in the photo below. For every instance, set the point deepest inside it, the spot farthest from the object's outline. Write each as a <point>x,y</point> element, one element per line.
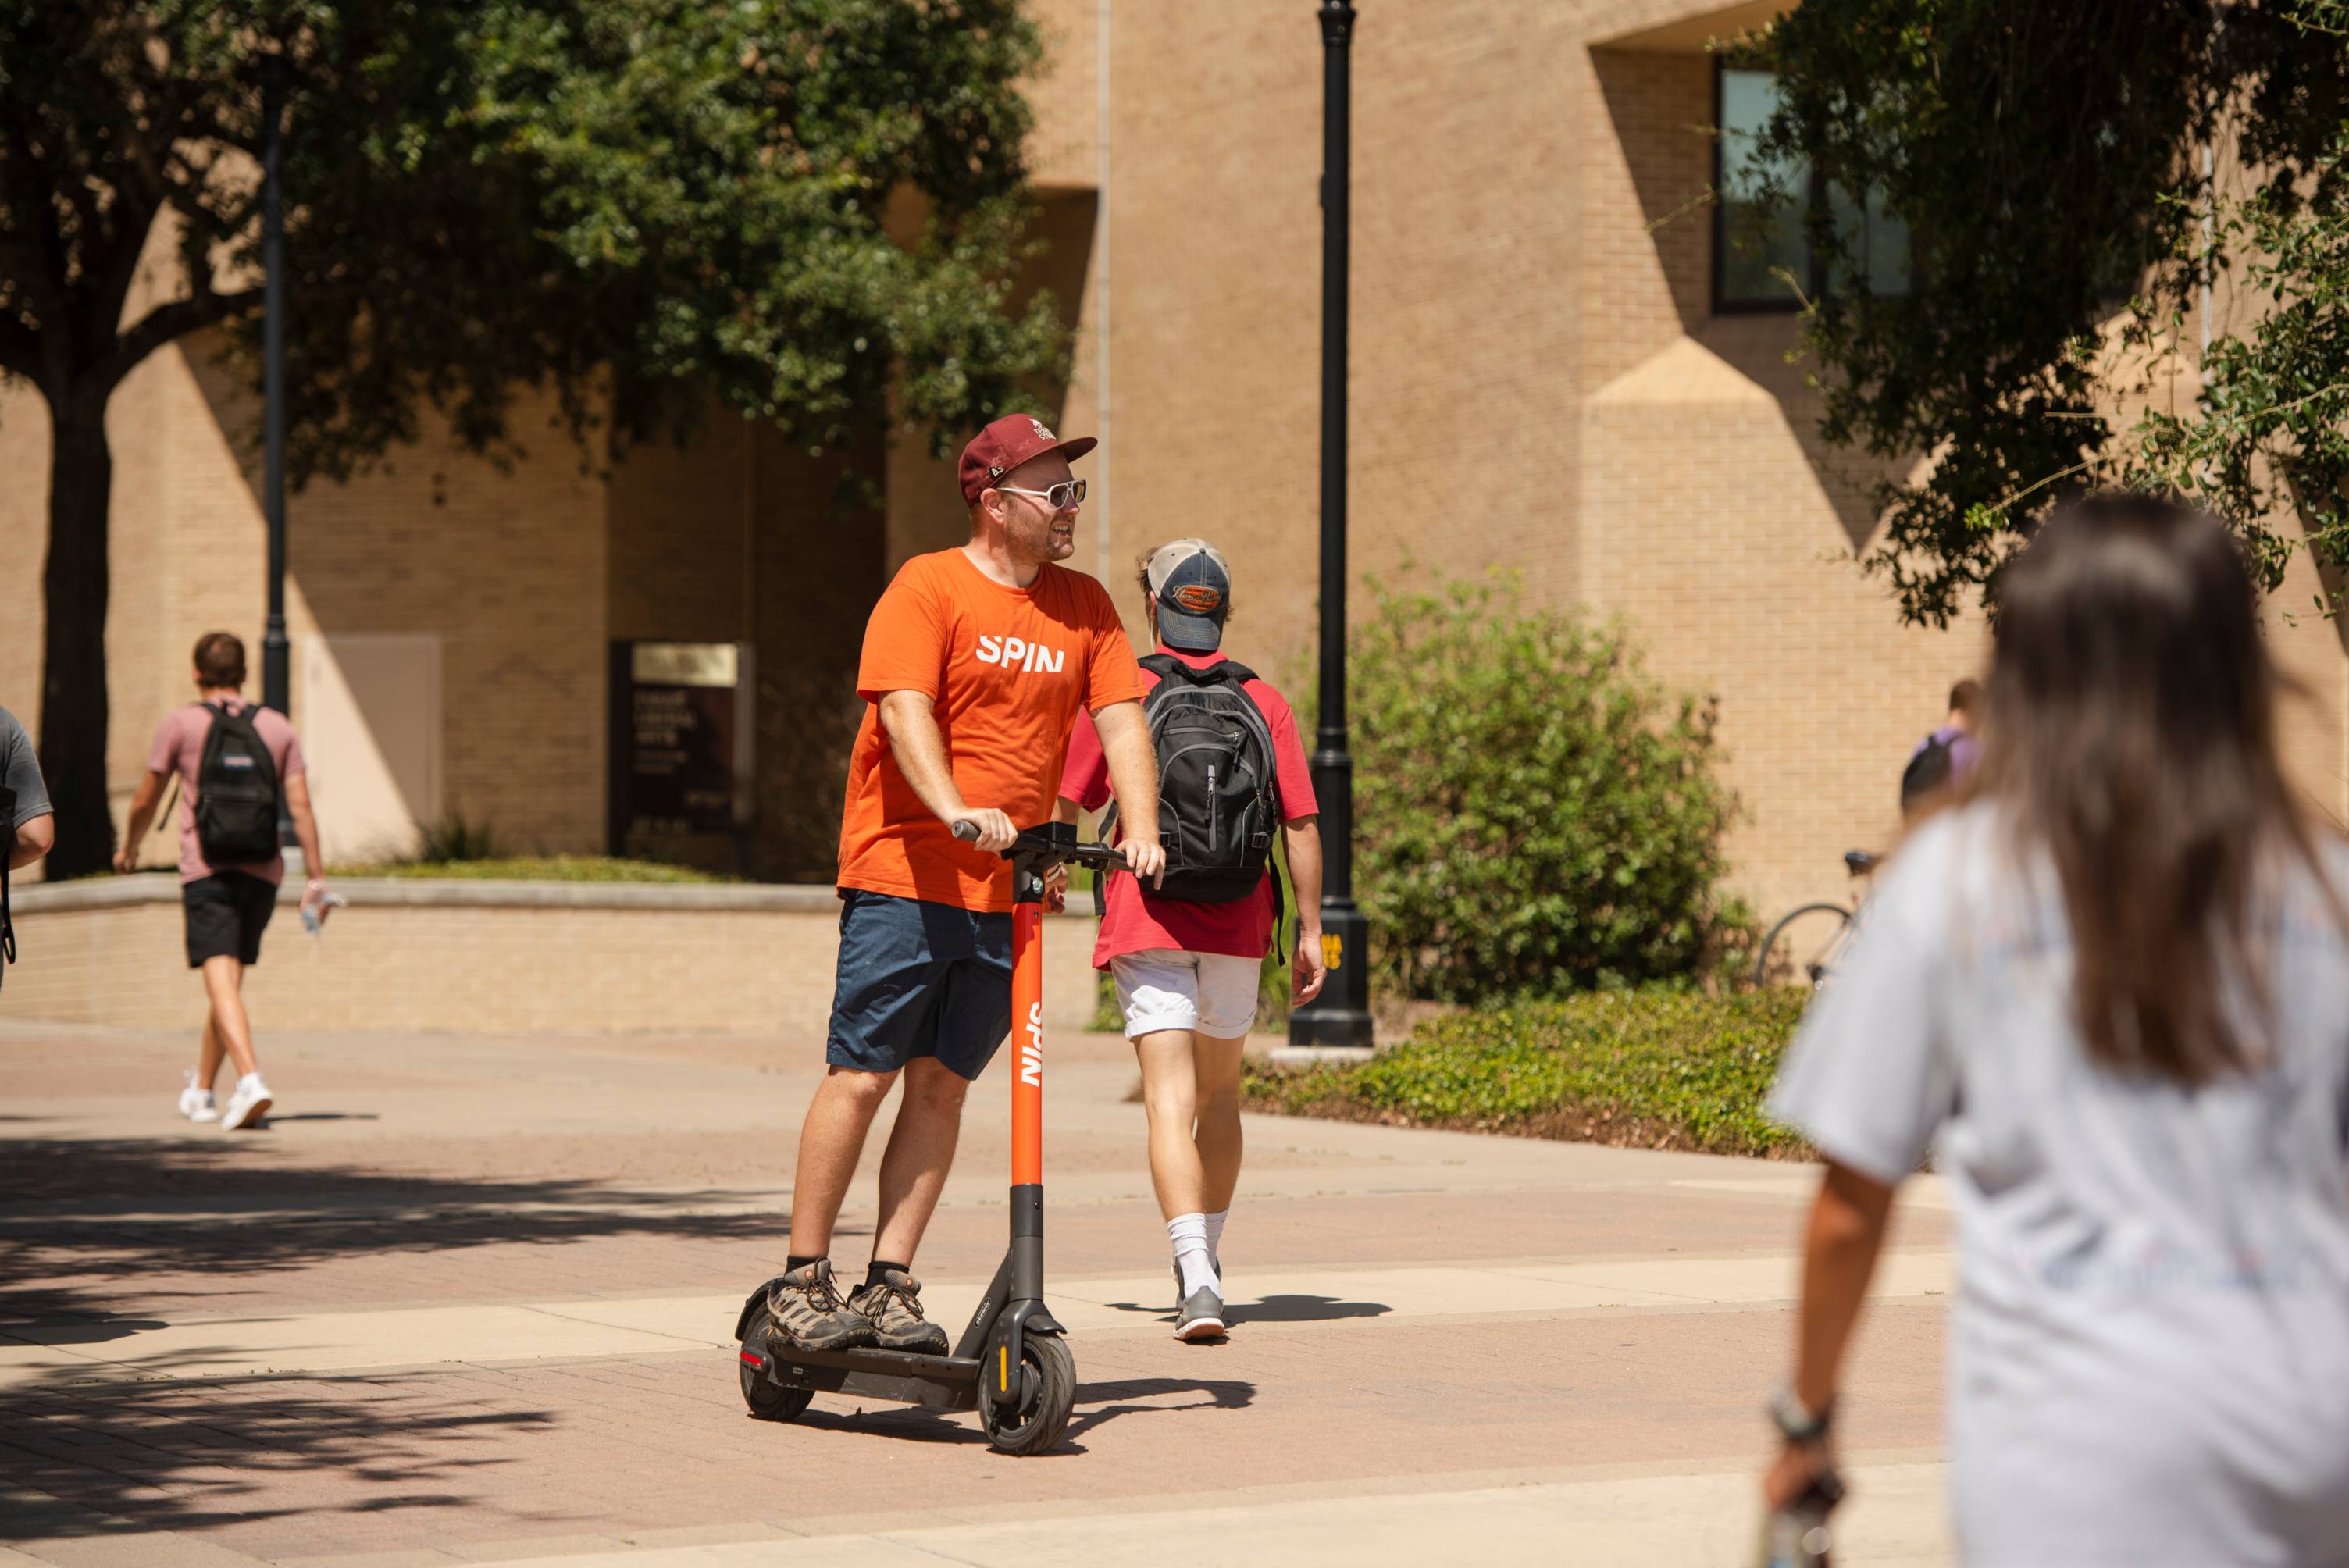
<point>1165,988</point>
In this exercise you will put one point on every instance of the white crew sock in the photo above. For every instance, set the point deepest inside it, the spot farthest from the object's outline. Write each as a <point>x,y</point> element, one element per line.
<point>1216,1237</point>
<point>1189,1234</point>
<point>250,1081</point>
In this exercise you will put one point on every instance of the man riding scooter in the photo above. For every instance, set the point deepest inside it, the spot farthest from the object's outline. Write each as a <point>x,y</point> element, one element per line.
<point>976,663</point>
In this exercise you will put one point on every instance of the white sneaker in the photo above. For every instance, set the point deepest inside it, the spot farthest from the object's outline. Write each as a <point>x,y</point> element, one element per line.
<point>246,1106</point>
<point>196,1104</point>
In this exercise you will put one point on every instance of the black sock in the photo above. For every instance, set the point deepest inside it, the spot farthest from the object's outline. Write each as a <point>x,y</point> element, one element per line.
<point>877,1268</point>
<point>793,1264</point>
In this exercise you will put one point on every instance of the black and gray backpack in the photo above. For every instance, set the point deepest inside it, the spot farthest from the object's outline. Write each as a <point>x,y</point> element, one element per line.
<point>236,791</point>
<point>1217,803</point>
<point>1927,775</point>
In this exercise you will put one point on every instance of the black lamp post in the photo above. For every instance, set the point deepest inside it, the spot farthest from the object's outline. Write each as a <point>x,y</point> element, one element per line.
<point>277,675</point>
<point>276,678</point>
<point>1340,1018</point>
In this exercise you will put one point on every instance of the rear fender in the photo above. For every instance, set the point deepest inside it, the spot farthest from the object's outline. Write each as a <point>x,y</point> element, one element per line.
<point>751,1305</point>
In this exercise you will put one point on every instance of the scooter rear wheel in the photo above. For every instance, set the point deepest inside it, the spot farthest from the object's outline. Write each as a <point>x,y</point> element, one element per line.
<point>1039,1413</point>
<point>769,1400</point>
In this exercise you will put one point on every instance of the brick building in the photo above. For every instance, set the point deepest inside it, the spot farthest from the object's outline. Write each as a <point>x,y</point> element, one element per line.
<point>1552,372</point>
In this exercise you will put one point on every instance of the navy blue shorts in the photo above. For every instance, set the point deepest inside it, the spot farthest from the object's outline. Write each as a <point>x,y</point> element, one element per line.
<point>918,979</point>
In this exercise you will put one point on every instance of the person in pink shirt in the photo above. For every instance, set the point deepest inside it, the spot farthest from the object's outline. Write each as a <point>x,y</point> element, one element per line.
<point>1186,970</point>
<point>227,902</point>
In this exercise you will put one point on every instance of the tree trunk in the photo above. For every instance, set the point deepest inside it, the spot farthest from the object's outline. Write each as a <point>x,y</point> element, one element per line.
<point>73,677</point>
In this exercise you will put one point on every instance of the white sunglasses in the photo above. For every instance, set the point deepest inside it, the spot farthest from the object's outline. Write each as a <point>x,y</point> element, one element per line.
<point>1066,496</point>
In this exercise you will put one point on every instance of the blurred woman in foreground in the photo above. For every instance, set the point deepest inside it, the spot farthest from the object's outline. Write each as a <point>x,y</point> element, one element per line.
<point>2114,980</point>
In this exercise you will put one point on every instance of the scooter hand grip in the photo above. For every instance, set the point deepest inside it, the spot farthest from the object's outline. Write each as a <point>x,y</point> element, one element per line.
<point>966,830</point>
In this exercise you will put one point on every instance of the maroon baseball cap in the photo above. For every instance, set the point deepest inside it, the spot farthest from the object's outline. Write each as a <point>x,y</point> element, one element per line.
<point>1006,444</point>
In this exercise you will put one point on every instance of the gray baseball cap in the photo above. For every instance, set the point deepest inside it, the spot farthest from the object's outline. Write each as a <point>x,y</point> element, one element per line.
<point>1193,584</point>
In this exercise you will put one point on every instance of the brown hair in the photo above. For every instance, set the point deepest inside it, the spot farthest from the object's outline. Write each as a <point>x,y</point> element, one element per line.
<point>220,659</point>
<point>2131,730</point>
<point>1966,697</point>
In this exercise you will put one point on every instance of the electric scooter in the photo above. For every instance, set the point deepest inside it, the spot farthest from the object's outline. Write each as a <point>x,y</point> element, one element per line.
<point>1013,1363</point>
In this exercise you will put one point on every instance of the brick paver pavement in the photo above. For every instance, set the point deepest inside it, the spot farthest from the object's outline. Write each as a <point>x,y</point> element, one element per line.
<point>468,1175</point>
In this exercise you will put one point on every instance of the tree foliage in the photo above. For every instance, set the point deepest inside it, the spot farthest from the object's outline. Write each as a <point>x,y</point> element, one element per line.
<point>1533,815</point>
<point>809,207</point>
<point>2048,160</point>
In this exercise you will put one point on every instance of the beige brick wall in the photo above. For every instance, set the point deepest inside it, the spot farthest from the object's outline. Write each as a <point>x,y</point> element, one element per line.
<point>1536,380</point>
<point>461,970</point>
<point>1062,144</point>
<point>1715,522</point>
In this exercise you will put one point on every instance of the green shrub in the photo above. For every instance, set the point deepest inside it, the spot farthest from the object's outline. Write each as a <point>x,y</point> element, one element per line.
<point>1535,816</point>
<point>1655,1068</point>
<point>453,837</point>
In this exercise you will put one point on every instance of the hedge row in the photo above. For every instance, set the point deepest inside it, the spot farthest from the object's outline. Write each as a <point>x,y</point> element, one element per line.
<point>1649,1070</point>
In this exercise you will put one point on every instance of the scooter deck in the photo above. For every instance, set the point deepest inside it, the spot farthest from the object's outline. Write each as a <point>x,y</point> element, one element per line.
<point>933,1382</point>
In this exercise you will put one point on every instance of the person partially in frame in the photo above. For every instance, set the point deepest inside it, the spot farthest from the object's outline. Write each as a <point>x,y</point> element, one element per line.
<point>2110,983</point>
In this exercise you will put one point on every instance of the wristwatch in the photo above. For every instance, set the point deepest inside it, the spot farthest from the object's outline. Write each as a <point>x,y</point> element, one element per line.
<point>1797,1423</point>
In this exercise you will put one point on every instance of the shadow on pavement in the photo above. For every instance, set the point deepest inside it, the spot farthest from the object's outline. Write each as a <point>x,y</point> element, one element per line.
<point>63,1259</point>
<point>1273,1309</point>
<point>106,1459</point>
<point>1302,1309</point>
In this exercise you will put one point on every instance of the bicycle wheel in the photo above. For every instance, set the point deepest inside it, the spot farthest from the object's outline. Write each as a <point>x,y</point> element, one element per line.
<point>1803,947</point>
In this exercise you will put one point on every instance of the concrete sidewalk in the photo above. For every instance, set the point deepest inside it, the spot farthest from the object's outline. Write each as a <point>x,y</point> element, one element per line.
<point>468,1298</point>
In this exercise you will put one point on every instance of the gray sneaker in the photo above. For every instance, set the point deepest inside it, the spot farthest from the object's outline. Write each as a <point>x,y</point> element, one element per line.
<point>807,1310</point>
<point>1177,1267</point>
<point>1201,1316</point>
<point>894,1303</point>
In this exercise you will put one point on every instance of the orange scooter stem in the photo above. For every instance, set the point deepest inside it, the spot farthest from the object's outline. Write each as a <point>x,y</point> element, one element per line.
<point>1028,1036</point>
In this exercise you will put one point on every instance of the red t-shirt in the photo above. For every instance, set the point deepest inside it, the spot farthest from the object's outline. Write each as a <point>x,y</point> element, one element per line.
<point>1007,669</point>
<point>1136,919</point>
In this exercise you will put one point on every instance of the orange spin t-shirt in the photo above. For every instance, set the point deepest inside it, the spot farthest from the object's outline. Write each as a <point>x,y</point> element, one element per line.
<point>1006,670</point>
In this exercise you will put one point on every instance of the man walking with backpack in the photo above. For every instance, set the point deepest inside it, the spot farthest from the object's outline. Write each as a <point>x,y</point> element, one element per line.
<point>1187,955</point>
<point>1944,759</point>
<point>233,760</point>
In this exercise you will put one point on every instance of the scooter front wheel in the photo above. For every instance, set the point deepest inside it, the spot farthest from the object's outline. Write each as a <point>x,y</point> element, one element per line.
<point>1032,1420</point>
<point>769,1400</point>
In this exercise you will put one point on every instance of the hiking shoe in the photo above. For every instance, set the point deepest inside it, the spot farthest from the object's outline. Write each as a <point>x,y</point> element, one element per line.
<point>1201,1316</point>
<point>894,1303</point>
<point>807,1310</point>
<point>196,1104</point>
<point>247,1104</point>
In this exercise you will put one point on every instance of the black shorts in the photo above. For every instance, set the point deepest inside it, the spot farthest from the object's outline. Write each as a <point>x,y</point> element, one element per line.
<point>227,911</point>
<point>918,979</point>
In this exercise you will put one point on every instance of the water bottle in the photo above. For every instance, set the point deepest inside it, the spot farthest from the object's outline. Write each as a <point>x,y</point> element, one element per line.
<point>1796,1536</point>
<point>313,921</point>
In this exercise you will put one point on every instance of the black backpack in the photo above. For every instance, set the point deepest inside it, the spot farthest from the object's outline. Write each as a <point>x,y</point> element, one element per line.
<point>236,791</point>
<point>1217,804</point>
<point>1927,775</point>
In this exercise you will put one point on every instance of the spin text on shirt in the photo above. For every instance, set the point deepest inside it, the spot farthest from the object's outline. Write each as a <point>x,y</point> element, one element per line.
<point>1015,652</point>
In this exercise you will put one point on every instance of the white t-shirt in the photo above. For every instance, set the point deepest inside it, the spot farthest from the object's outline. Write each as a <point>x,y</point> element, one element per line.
<point>2150,1361</point>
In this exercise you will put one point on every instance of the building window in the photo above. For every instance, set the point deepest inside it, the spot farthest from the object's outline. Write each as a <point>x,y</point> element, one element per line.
<point>1758,243</point>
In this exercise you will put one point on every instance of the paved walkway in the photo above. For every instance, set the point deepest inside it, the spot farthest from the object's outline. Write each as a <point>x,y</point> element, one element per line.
<point>468,1299</point>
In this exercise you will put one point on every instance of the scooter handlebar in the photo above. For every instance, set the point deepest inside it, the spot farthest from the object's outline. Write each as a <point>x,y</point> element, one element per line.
<point>1052,845</point>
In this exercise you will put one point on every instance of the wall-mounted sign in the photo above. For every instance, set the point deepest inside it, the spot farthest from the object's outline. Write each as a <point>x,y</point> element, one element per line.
<point>680,741</point>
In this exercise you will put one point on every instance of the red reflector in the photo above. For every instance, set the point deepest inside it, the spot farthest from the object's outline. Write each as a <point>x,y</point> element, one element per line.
<point>752,1358</point>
